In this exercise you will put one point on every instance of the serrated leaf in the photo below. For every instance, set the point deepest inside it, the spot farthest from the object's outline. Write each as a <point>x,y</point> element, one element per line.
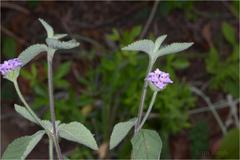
<point>145,45</point>
<point>59,36</point>
<point>159,41</point>
<point>173,48</point>
<point>77,132</point>
<point>23,112</point>
<point>146,144</point>
<point>31,52</point>
<point>21,147</point>
<point>47,27</point>
<point>56,44</point>
<point>120,131</point>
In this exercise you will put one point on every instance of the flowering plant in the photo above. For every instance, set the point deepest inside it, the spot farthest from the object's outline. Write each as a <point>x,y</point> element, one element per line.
<point>146,144</point>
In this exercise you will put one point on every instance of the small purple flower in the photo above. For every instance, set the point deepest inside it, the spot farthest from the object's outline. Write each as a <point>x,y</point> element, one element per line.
<point>10,65</point>
<point>158,79</point>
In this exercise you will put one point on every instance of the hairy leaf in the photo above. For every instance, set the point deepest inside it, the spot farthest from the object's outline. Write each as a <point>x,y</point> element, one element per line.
<point>47,27</point>
<point>21,147</point>
<point>173,48</point>
<point>145,45</point>
<point>24,112</point>
<point>56,44</point>
<point>159,41</point>
<point>77,132</point>
<point>59,36</point>
<point>31,52</point>
<point>120,131</point>
<point>146,144</point>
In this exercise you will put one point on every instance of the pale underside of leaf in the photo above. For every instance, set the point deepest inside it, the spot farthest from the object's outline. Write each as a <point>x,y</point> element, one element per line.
<point>146,144</point>
<point>173,48</point>
<point>21,147</point>
<point>159,41</point>
<point>77,132</point>
<point>47,27</point>
<point>56,44</point>
<point>31,52</point>
<point>120,131</point>
<point>145,45</point>
<point>23,112</point>
<point>59,36</point>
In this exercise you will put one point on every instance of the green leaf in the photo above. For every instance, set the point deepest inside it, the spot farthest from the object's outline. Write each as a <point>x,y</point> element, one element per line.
<point>229,147</point>
<point>145,45</point>
<point>173,48</point>
<point>62,70</point>
<point>47,124</point>
<point>146,144</point>
<point>21,147</point>
<point>181,63</point>
<point>77,132</point>
<point>120,131</point>
<point>31,52</point>
<point>159,41</point>
<point>56,44</point>
<point>9,47</point>
<point>229,33</point>
<point>47,27</point>
<point>24,112</point>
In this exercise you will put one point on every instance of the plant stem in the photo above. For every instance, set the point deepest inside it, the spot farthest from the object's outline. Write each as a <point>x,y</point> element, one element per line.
<point>50,147</point>
<point>51,101</point>
<point>144,92</point>
<point>148,111</point>
<point>38,120</point>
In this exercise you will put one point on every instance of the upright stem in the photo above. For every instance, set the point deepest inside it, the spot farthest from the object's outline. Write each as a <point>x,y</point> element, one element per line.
<point>148,111</point>
<point>50,147</point>
<point>51,102</point>
<point>141,106</point>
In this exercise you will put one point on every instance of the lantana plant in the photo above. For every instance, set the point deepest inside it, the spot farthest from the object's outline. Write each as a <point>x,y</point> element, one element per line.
<point>146,144</point>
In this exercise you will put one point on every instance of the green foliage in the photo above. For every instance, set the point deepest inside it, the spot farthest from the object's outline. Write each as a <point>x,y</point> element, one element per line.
<point>21,147</point>
<point>77,132</point>
<point>229,147</point>
<point>146,144</point>
<point>120,130</point>
<point>199,137</point>
<point>9,47</point>
<point>225,73</point>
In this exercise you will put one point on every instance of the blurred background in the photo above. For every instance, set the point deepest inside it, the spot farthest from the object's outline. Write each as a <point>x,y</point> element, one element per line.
<point>100,85</point>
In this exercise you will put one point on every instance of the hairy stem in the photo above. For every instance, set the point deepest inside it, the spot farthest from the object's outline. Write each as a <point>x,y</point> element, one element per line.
<point>38,120</point>
<point>50,147</point>
<point>148,111</point>
<point>144,92</point>
<point>51,102</point>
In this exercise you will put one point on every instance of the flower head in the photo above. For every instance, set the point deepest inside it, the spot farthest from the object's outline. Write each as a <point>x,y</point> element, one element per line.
<point>10,65</point>
<point>158,80</point>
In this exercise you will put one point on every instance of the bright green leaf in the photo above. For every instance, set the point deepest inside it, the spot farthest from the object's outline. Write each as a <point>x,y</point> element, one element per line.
<point>21,147</point>
<point>146,144</point>
<point>120,131</point>
<point>229,33</point>
<point>77,132</point>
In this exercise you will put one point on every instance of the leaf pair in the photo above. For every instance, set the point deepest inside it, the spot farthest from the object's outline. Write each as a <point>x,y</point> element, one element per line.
<point>146,143</point>
<point>154,50</point>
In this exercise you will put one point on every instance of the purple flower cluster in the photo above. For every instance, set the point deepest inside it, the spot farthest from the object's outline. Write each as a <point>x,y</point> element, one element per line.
<point>159,79</point>
<point>10,65</point>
